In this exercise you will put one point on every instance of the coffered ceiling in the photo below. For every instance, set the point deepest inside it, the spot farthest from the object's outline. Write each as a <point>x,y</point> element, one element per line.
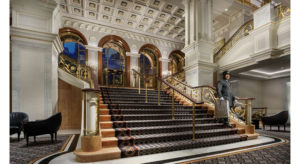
<point>158,17</point>
<point>152,17</point>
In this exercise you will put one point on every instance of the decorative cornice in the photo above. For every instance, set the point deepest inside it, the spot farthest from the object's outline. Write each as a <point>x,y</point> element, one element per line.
<point>239,64</point>
<point>192,46</point>
<point>209,66</point>
<point>255,58</point>
<point>92,26</point>
<point>36,38</point>
<point>33,35</point>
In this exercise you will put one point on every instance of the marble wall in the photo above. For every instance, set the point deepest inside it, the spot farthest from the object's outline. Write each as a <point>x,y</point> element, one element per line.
<point>35,51</point>
<point>272,94</point>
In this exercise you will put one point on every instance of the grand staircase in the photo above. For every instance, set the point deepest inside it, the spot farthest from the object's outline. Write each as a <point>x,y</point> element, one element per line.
<point>140,128</point>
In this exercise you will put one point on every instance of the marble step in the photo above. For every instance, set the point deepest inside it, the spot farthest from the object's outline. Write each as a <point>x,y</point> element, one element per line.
<point>151,148</point>
<point>174,128</point>
<point>153,123</point>
<point>163,137</point>
<point>161,111</point>
<point>155,116</point>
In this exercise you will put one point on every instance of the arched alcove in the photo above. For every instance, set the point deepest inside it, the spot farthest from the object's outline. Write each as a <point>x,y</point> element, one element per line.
<point>177,61</point>
<point>149,62</point>
<point>113,64</point>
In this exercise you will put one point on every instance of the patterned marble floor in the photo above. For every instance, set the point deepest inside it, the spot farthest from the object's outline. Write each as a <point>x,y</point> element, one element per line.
<point>276,154</point>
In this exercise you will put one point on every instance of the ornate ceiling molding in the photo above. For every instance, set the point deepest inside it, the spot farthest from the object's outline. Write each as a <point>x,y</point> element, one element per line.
<point>97,28</point>
<point>165,18</point>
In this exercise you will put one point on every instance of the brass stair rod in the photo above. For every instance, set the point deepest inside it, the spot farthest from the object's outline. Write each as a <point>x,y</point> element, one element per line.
<point>97,115</point>
<point>173,108</point>
<point>106,77</point>
<point>84,113</point>
<point>146,98</point>
<point>194,121</point>
<point>202,92</point>
<point>139,84</point>
<point>158,83</point>
<point>134,82</point>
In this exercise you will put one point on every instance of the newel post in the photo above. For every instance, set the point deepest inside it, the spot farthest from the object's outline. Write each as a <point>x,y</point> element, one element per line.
<point>91,139</point>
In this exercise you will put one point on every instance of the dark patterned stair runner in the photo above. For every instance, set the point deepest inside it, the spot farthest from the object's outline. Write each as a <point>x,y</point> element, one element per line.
<point>146,128</point>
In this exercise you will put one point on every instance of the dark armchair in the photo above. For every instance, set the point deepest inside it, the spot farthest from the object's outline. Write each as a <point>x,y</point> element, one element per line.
<point>277,119</point>
<point>47,126</point>
<point>16,121</point>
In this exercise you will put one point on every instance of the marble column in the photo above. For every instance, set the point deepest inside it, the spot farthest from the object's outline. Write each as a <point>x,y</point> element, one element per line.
<point>164,63</point>
<point>134,55</point>
<point>35,46</point>
<point>187,21</point>
<point>199,66</point>
<point>93,59</point>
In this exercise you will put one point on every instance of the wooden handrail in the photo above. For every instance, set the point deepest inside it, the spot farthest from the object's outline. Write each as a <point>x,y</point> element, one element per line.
<point>174,74</point>
<point>209,86</point>
<point>177,90</point>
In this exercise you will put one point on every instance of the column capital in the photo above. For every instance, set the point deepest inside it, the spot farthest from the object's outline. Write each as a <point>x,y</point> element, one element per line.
<point>164,60</point>
<point>93,48</point>
<point>133,54</point>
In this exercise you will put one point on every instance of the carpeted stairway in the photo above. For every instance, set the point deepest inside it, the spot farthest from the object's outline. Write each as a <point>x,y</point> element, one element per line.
<point>146,128</point>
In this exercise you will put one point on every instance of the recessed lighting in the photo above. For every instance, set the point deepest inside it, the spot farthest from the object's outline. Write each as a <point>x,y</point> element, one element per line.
<point>270,73</point>
<point>226,9</point>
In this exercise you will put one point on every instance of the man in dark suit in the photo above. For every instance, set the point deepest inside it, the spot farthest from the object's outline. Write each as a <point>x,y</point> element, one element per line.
<point>225,93</point>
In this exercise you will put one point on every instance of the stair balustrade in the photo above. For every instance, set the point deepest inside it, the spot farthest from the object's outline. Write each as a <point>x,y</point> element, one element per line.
<point>163,84</point>
<point>201,94</point>
<point>80,71</point>
<point>240,33</point>
<point>282,13</point>
<point>207,94</point>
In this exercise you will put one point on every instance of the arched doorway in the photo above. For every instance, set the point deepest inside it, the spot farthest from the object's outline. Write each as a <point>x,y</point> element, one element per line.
<point>113,64</point>
<point>149,64</point>
<point>177,61</point>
